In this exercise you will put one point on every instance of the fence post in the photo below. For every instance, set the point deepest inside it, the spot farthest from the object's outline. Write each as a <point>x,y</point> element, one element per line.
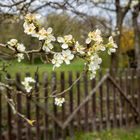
<point>0,110</point>
<point>62,82</point>
<point>93,84</point>
<point>37,108</point>
<point>139,92</point>
<point>101,102</point>
<point>108,104</point>
<point>19,108</point>
<point>86,127</point>
<point>54,84</point>
<point>71,104</point>
<point>46,129</point>
<point>78,101</point>
<point>28,109</point>
<point>9,111</point>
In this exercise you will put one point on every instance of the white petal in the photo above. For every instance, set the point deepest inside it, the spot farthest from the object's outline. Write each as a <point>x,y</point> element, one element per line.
<point>64,46</point>
<point>60,39</point>
<point>49,30</point>
<point>88,40</point>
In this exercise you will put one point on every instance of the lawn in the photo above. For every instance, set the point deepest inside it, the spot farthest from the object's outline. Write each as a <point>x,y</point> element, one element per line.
<point>23,67</point>
<point>117,134</point>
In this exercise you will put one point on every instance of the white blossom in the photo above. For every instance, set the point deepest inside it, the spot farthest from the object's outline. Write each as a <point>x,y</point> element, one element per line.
<point>29,29</point>
<point>67,56</point>
<point>133,4</point>
<point>42,34</point>
<point>20,56</point>
<point>59,101</point>
<point>94,65</point>
<point>65,41</point>
<point>95,36</point>
<point>20,47</point>
<point>47,47</point>
<point>27,81</point>
<point>12,42</point>
<point>112,46</point>
<point>32,17</point>
<point>57,60</point>
<point>79,48</point>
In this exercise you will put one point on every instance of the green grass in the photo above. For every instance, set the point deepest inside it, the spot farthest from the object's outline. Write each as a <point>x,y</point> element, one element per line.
<point>118,134</point>
<point>23,67</point>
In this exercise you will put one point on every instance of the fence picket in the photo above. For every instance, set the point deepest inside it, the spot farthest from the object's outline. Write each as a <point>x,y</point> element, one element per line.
<point>46,125</point>
<point>93,84</point>
<point>62,81</point>
<point>37,108</point>
<point>71,131</point>
<point>0,110</point>
<point>19,108</point>
<point>28,112</point>
<point>9,111</point>
<point>55,128</point>
<point>86,105</point>
<point>101,102</point>
<point>78,100</point>
<point>108,104</point>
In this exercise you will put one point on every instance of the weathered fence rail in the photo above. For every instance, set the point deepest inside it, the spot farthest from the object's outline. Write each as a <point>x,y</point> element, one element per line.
<point>102,103</point>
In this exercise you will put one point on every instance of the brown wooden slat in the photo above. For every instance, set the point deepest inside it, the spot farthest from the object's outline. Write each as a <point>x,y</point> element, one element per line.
<point>37,108</point>
<point>19,108</point>
<point>108,103</point>
<point>93,84</point>
<point>62,82</point>
<point>114,108</point>
<point>0,111</point>
<point>121,102</point>
<point>101,102</point>
<point>71,131</point>
<point>126,90</point>
<point>28,112</point>
<point>86,105</point>
<point>9,112</point>
<point>54,84</point>
<point>46,125</point>
<point>78,100</point>
<point>138,91</point>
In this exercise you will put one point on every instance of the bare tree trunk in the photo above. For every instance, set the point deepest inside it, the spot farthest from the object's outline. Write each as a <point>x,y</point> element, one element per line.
<point>120,15</point>
<point>136,36</point>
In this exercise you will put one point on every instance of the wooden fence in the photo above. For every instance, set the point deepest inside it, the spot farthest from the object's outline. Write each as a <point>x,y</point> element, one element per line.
<point>102,103</point>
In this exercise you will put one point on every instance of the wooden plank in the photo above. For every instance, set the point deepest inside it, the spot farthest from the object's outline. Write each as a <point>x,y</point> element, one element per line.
<point>71,131</point>
<point>121,101</point>
<point>93,84</point>
<point>28,112</point>
<point>78,85</point>
<point>19,109</point>
<point>0,111</point>
<point>9,113</point>
<point>46,125</point>
<point>114,108</point>
<point>138,90</point>
<point>86,127</point>
<point>101,102</point>
<point>108,103</point>
<point>62,82</point>
<point>54,84</point>
<point>37,110</point>
<point>126,104</point>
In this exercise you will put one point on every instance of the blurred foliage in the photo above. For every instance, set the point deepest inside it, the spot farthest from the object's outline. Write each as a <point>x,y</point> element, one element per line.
<point>127,40</point>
